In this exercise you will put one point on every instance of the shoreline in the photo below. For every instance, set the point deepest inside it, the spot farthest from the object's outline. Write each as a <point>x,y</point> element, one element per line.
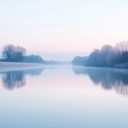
<point>12,66</point>
<point>15,66</point>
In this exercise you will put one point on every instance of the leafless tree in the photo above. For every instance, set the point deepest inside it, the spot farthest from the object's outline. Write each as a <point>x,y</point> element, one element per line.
<point>13,53</point>
<point>122,46</point>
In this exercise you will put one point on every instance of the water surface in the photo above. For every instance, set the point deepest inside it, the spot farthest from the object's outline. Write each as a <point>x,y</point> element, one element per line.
<point>64,97</point>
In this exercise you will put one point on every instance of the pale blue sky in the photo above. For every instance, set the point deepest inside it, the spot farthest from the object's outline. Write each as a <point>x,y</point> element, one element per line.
<point>63,26</point>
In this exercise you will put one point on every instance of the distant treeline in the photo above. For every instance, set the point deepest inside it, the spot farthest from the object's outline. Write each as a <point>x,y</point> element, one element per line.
<point>12,53</point>
<point>107,56</point>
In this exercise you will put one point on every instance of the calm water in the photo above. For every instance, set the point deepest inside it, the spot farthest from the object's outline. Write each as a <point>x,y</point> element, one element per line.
<point>64,97</point>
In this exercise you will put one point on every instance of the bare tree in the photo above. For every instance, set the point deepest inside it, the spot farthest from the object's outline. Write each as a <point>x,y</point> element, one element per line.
<point>8,52</point>
<point>13,53</point>
<point>122,46</point>
<point>19,53</point>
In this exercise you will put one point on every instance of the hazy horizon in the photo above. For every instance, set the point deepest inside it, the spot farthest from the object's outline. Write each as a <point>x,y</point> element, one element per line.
<point>55,56</point>
<point>59,56</point>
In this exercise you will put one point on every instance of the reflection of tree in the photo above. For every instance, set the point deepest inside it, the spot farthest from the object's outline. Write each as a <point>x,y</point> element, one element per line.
<point>13,79</point>
<point>34,72</point>
<point>116,79</point>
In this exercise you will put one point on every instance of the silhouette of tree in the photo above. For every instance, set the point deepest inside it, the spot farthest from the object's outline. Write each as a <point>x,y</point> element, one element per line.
<point>113,58</point>
<point>122,49</point>
<point>8,52</point>
<point>19,54</point>
<point>107,56</point>
<point>122,46</point>
<point>94,58</point>
<point>13,53</point>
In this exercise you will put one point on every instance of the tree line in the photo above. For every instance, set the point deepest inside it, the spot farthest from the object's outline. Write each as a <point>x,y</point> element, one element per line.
<point>12,53</point>
<point>107,56</point>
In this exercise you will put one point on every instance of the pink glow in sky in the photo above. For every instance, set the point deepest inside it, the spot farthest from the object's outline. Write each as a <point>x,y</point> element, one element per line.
<point>63,26</point>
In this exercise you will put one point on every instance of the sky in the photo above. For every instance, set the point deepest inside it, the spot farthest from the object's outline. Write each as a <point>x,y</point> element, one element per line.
<point>63,26</point>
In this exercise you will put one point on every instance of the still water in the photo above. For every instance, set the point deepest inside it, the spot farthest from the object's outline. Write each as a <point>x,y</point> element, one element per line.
<point>64,97</point>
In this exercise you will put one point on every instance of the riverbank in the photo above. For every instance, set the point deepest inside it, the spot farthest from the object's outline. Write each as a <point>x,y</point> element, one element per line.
<point>5,66</point>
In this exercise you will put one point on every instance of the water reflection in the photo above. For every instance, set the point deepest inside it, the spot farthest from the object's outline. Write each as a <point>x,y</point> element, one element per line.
<point>16,79</point>
<point>116,79</point>
<point>13,79</point>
